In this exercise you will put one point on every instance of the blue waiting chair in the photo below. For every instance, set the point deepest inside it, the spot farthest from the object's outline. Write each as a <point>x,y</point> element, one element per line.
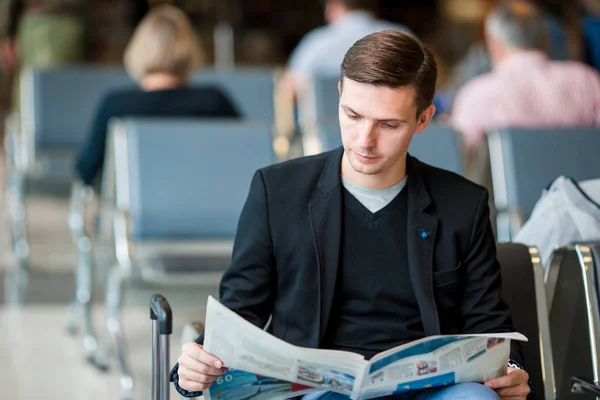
<point>436,145</point>
<point>177,188</point>
<point>525,161</point>
<point>318,105</point>
<point>250,89</point>
<point>57,108</point>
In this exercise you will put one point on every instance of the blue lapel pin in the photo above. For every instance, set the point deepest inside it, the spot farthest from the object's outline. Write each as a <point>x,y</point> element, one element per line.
<point>424,233</point>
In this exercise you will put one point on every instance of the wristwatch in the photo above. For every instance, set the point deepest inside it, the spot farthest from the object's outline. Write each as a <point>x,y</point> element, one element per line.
<point>514,364</point>
<point>532,394</point>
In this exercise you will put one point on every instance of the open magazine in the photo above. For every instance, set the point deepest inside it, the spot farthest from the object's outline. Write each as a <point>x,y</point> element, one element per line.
<point>262,366</point>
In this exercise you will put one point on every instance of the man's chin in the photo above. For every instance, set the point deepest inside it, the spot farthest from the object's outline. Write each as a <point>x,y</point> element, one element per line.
<point>365,169</point>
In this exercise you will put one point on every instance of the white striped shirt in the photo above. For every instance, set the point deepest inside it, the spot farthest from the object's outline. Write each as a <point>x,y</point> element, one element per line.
<point>528,90</point>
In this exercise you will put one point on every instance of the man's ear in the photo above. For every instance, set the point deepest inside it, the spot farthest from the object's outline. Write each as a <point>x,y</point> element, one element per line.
<point>425,118</point>
<point>340,87</point>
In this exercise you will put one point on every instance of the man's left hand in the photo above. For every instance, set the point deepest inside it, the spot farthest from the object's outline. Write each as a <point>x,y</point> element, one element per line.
<point>513,385</point>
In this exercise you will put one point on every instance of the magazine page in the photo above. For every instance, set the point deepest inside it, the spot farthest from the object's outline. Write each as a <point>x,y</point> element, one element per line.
<point>245,347</point>
<point>437,361</point>
<point>236,384</point>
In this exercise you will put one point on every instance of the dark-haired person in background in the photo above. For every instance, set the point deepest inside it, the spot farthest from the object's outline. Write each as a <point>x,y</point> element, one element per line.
<point>320,52</point>
<point>162,56</point>
<point>364,248</point>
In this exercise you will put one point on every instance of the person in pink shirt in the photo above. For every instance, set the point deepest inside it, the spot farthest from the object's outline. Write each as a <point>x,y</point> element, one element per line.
<point>525,88</point>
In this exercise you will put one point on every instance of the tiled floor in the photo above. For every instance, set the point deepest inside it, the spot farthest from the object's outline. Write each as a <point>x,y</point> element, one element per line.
<point>38,359</point>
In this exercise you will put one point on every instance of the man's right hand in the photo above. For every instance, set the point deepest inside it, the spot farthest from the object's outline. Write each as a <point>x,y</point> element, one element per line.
<point>198,369</point>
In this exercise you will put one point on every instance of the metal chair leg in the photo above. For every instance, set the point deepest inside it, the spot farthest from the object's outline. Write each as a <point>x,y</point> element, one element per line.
<point>114,293</point>
<point>15,192</point>
<point>83,299</point>
<point>73,318</point>
<point>16,207</point>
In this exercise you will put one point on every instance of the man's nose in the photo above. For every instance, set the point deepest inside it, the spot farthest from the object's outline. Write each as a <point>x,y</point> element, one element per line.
<point>367,136</point>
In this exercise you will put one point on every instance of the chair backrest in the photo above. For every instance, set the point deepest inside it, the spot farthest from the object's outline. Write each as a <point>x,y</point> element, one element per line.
<point>320,102</point>
<point>251,90</point>
<point>571,322</point>
<point>58,105</point>
<point>525,161</point>
<point>523,291</point>
<point>437,145</point>
<point>187,178</point>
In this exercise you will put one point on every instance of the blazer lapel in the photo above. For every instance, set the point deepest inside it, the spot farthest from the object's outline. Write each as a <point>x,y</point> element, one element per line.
<point>421,234</point>
<point>326,221</point>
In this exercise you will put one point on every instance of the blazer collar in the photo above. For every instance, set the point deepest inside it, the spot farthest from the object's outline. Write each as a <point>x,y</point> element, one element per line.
<point>330,178</point>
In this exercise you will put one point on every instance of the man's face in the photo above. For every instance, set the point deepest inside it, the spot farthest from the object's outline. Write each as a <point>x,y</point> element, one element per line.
<point>378,124</point>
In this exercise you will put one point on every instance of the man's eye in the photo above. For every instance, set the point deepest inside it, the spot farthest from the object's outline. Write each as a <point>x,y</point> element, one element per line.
<point>354,117</point>
<point>389,126</point>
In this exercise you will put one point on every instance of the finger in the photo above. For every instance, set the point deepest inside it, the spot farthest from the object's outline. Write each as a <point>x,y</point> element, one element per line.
<point>193,386</point>
<point>193,376</point>
<point>511,379</point>
<point>196,366</point>
<point>519,391</point>
<point>196,351</point>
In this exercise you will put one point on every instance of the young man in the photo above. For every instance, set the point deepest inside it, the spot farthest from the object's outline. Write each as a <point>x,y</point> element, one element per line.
<point>364,248</point>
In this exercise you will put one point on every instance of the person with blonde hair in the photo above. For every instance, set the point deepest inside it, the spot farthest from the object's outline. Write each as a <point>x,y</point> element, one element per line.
<point>162,56</point>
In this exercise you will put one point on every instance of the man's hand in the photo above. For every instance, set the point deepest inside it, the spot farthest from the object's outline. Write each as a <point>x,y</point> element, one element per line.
<point>198,369</point>
<point>513,385</point>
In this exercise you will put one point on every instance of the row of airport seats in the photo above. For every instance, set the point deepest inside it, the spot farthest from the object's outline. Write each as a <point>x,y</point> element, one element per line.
<point>57,111</point>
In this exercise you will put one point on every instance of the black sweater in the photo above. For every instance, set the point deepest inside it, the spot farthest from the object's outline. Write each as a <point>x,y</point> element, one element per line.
<point>375,307</point>
<point>183,102</point>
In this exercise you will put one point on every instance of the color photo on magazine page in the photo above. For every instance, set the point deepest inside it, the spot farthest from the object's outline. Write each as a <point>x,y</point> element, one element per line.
<point>236,385</point>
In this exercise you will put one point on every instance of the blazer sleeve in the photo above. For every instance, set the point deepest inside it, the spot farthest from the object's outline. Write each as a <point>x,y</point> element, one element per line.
<point>483,310</point>
<point>248,287</point>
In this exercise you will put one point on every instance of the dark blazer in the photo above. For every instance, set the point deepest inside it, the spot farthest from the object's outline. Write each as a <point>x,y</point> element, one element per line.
<point>287,248</point>
<point>201,101</point>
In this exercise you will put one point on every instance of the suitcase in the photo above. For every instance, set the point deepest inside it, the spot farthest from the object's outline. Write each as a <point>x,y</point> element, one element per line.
<point>162,327</point>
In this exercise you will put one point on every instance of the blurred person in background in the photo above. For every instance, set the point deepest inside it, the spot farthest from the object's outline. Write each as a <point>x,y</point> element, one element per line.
<point>525,88</point>
<point>40,34</point>
<point>321,51</point>
<point>162,57</point>
<point>477,60</point>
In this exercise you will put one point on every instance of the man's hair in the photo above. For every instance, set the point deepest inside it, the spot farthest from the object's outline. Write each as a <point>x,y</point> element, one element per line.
<point>393,59</point>
<point>517,25</point>
<point>164,42</point>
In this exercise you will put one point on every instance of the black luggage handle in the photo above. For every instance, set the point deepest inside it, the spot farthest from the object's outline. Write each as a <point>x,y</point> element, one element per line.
<point>160,311</point>
<point>579,385</point>
<point>162,326</point>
